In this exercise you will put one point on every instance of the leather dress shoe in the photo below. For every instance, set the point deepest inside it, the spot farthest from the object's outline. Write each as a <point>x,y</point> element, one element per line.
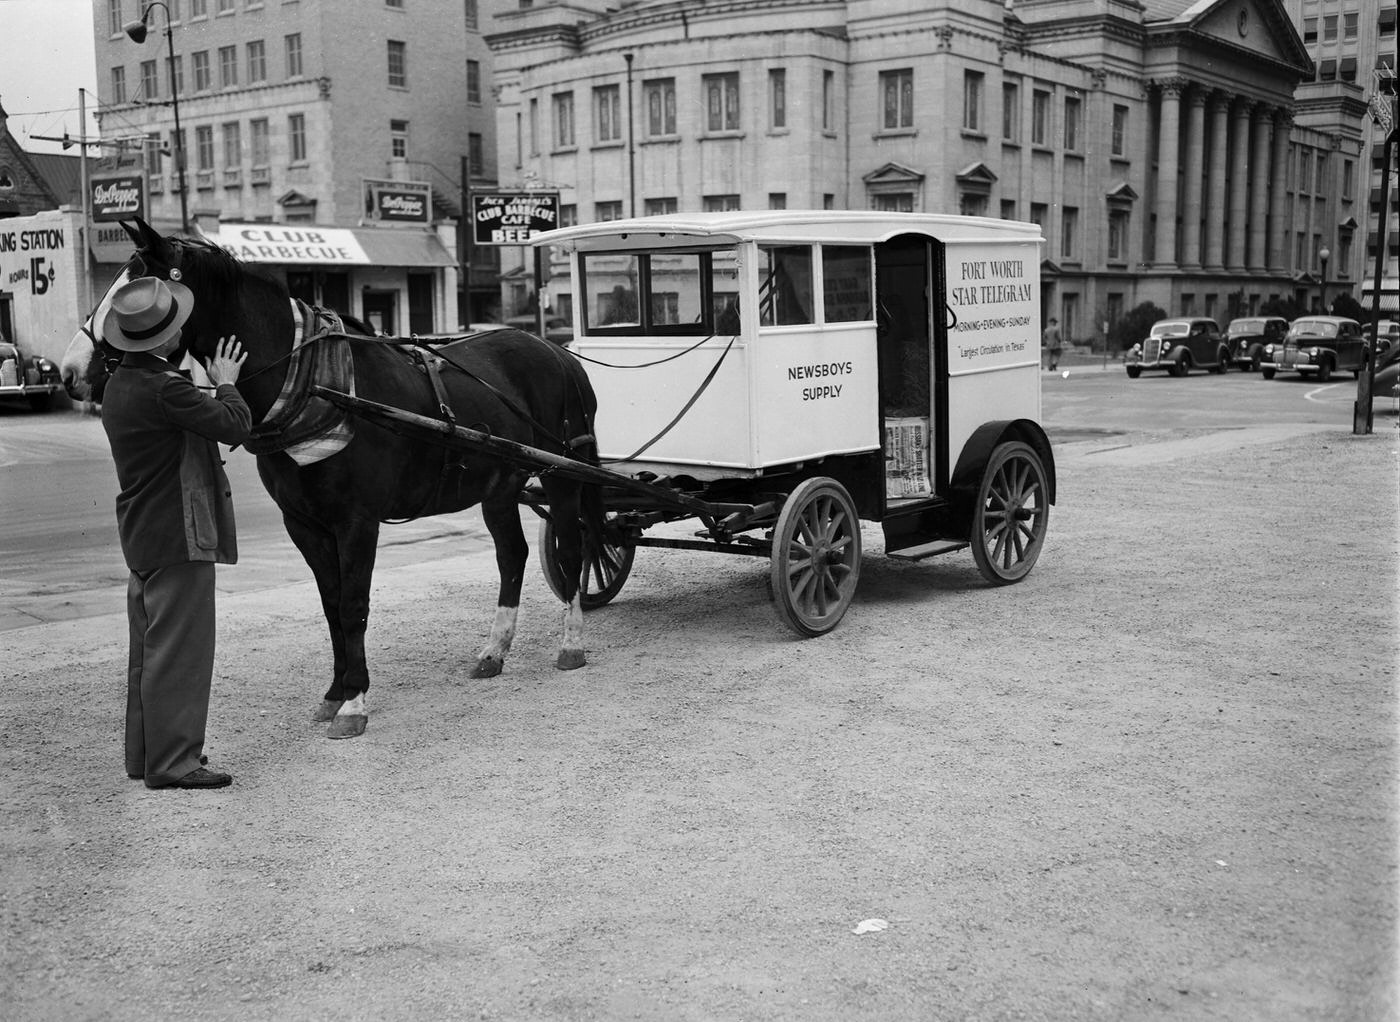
<point>200,778</point>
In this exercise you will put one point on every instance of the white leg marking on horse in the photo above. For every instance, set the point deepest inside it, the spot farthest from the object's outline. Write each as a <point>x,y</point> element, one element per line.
<point>353,707</point>
<point>502,634</point>
<point>571,649</point>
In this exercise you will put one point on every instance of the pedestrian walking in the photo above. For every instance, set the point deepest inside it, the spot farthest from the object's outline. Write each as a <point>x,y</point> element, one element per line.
<point>1052,342</point>
<point>175,522</point>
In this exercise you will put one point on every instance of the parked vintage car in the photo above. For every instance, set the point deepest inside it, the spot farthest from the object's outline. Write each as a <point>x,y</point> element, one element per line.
<point>1247,337</point>
<point>1389,334</point>
<point>1386,384</point>
<point>556,329</point>
<point>1317,345</point>
<point>30,378</point>
<point>1178,346</point>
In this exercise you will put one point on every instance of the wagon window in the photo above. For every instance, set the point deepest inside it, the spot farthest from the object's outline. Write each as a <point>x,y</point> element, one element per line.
<point>662,292</point>
<point>846,283</point>
<point>785,291</point>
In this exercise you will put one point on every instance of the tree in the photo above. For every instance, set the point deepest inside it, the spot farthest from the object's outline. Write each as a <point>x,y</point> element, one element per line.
<point>1285,307</point>
<point>1346,305</point>
<point>1134,326</point>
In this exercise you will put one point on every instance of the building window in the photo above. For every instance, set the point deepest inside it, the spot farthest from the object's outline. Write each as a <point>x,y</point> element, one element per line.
<point>392,3</point>
<point>1072,108</point>
<point>200,60</point>
<point>228,67</point>
<point>118,85</point>
<point>1350,25</point>
<point>473,81</point>
<point>150,81</point>
<point>828,99</point>
<point>1120,130</point>
<point>892,202</point>
<point>233,145</point>
<point>1321,171</point>
<point>720,203</point>
<point>1329,28</point>
<point>568,214</point>
<point>1039,214</point>
<point>398,139</point>
<point>1348,180</point>
<point>258,137</point>
<point>607,210</point>
<point>777,200</point>
<point>177,71</point>
<point>564,120</point>
<point>1346,70</point>
<point>777,97</point>
<point>398,64</point>
<point>897,99</point>
<point>1069,229</point>
<point>1040,117</point>
<point>1117,235</point>
<point>1385,21</point>
<point>114,17</point>
<point>257,62</point>
<point>972,100</point>
<point>1008,209</point>
<point>225,7</point>
<point>1309,31</point>
<point>476,155</point>
<point>971,204</point>
<point>153,153</point>
<point>659,97</point>
<point>607,113</point>
<point>199,8</point>
<point>204,147</point>
<point>721,101</point>
<point>293,49</point>
<point>296,137</point>
<point>1327,70</point>
<point>828,200</point>
<point>1011,111</point>
<point>658,207</point>
<point>1114,307</point>
<point>1069,317</point>
<point>534,126</point>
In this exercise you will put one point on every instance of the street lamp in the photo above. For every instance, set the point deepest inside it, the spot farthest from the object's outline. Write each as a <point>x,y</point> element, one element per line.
<point>136,31</point>
<point>1324,254</point>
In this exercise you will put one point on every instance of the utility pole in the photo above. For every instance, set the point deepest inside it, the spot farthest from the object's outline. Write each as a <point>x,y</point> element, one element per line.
<point>1383,113</point>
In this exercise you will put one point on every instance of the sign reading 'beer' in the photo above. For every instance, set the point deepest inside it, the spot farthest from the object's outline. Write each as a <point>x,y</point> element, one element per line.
<point>118,198</point>
<point>513,218</point>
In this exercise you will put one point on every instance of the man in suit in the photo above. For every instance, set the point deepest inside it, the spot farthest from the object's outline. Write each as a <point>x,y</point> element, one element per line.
<point>175,520</point>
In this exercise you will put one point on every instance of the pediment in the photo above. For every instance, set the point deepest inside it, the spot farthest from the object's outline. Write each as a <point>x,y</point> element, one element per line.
<point>1122,192</point>
<point>977,173</point>
<point>893,173</point>
<point>295,198</point>
<point>1260,28</point>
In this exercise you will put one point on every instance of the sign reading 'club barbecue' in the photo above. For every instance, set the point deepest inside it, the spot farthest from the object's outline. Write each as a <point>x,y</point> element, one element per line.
<point>118,198</point>
<point>512,218</point>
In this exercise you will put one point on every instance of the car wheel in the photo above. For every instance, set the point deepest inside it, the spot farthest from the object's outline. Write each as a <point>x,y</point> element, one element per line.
<point>1179,367</point>
<point>1268,374</point>
<point>1253,363</point>
<point>1222,361</point>
<point>1324,371</point>
<point>1134,372</point>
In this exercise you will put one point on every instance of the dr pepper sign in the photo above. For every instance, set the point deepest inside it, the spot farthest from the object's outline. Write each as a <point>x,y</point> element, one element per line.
<point>512,218</point>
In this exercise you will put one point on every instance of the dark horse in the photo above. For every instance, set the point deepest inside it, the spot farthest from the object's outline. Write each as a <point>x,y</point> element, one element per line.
<point>507,383</point>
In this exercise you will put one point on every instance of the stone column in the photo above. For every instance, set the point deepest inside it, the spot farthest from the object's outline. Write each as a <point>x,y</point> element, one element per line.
<point>1168,141</point>
<point>1259,182</point>
<point>1278,193</point>
<point>1195,167</point>
<point>1215,184</point>
<point>1239,185</point>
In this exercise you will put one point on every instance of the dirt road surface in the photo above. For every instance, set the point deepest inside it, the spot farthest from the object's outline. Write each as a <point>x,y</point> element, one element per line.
<point>1155,780</point>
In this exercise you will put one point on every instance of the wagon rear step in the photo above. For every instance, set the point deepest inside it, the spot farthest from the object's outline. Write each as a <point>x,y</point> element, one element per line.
<point>930,549</point>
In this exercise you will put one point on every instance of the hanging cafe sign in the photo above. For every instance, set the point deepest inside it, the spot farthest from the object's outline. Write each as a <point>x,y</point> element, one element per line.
<point>512,218</point>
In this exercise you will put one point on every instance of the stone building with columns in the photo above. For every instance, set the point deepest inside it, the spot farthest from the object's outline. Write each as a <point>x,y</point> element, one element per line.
<point>1152,140</point>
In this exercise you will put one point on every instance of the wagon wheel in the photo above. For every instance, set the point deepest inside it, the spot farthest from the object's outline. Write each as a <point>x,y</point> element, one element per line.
<point>604,570</point>
<point>1011,514</point>
<point>816,557</point>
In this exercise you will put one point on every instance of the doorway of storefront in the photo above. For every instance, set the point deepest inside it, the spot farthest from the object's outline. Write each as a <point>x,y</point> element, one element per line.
<point>381,312</point>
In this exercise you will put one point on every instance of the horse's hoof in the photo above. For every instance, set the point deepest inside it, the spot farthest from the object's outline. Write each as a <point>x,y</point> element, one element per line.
<point>487,667</point>
<point>569,659</point>
<point>348,725</point>
<point>326,711</point>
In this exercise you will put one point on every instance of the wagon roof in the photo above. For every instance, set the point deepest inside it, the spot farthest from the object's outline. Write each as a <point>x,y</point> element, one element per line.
<point>679,230</point>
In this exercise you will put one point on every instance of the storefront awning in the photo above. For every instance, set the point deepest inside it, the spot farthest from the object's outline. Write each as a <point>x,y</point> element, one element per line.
<point>310,245</point>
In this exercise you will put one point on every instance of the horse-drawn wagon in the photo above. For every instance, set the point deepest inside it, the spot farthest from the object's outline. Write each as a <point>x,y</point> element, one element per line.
<point>776,378</point>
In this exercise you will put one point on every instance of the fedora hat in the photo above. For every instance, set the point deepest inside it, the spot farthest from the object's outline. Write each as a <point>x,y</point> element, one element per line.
<point>145,313</point>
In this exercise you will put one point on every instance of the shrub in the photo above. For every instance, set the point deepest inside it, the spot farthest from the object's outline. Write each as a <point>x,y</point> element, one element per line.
<point>1134,326</point>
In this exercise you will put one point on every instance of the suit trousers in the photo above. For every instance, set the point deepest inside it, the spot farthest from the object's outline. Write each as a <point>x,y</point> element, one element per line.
<point>170,668</point>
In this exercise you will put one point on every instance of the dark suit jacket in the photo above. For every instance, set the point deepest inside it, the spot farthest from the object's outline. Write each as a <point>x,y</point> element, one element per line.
<point>175,504</point>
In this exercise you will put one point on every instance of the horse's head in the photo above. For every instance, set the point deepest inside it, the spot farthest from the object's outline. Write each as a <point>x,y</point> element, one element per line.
<point>205,268</point>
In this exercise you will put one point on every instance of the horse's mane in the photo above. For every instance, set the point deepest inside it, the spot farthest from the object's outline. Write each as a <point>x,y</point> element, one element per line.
<point>211,271</point>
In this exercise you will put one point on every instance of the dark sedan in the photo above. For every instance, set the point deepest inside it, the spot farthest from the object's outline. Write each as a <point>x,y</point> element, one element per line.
<point>1246,338</point>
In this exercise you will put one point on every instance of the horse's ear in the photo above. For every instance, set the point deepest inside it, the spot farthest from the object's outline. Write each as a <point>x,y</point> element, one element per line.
<point>148,237</point>
<point>132,232</point>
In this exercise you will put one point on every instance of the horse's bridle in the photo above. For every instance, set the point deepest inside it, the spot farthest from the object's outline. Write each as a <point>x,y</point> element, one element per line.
<point>133,269</point>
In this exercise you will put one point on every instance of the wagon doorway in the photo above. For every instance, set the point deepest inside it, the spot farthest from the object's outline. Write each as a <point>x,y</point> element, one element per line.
<point>907,274</point>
